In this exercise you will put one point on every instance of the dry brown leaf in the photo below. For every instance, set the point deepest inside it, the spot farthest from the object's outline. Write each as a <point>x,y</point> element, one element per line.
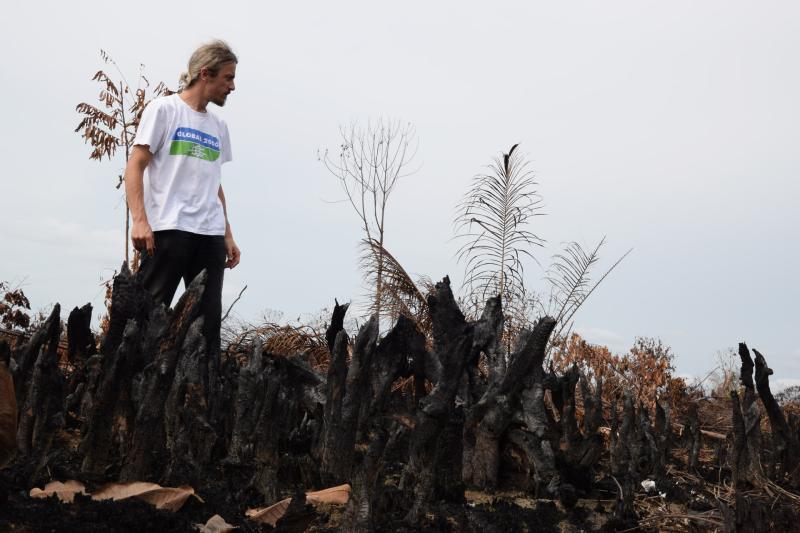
<point>8,416</point>
<point>169,498</point>
<point>270,515</point>
<point>215,524</point>
<point>336,495</point>
<point>64,491</point>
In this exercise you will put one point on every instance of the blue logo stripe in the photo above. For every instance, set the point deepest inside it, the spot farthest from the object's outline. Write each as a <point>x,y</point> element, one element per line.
<point>197,137</point>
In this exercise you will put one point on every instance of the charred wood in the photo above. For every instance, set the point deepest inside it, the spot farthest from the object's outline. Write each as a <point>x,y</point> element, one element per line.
<point>366,485</point>
<point>332,421</point>
<point>455,342</point>
<point>97,433</point>
<point>592,404</point>
<point>44,339</point>
<point>664,440</point>
<point>129,300</point>
<point>190,438</point>
<point>267,432</point>
<point>625,460</point>
<point>42,409</point>
<point>746,467</point>
<point>337,323</point>
<point>694,439</point>
<point>492,415</point>
<point>341,443</point>
<point>746,418</point>
<point>539,427</point>
<point>783,438</point>
<point>80,339</point>
<point>249,400</point>
<point>148,456</point>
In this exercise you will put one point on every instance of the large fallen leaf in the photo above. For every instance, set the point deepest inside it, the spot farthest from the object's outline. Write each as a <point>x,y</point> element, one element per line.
<point>64,491</point>
<point>336,495</point>
<point>215,524</point>
<point>270,515</point>
<point>169,498</point>
<point>8,416</point>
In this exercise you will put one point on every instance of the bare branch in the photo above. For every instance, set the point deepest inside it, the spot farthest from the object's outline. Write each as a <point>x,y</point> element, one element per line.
<point>370,162</point>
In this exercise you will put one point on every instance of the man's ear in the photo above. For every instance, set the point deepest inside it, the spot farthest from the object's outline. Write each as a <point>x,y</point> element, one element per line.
<point>204,74</point>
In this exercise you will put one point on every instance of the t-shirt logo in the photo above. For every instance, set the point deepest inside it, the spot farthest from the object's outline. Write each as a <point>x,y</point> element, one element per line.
<point>194,143</point>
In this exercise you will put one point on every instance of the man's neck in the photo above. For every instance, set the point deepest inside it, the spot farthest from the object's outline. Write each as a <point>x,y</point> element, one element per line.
<point>194,98</point>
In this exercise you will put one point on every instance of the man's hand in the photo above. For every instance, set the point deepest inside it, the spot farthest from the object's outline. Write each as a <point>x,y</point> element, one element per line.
<point>141,232</point>
<point>233,252</point>
<point>142,237</point>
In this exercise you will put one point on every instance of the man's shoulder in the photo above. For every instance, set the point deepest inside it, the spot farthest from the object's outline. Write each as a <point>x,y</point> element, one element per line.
<point>162,102</point>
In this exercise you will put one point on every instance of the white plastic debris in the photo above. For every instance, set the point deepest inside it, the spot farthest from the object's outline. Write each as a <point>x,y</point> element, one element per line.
<point>649,485</point>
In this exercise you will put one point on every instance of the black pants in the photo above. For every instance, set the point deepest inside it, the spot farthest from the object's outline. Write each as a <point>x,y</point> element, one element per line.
<point>180,255</point>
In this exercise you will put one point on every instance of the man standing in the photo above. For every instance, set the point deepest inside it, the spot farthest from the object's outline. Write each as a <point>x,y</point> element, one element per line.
<point>174,191</point>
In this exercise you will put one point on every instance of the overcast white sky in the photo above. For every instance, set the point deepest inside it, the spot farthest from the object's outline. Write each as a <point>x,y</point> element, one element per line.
<point>670,127</point>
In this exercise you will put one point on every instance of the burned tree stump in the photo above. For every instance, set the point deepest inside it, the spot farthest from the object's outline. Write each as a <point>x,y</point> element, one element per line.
<point>693,436</point>
<point>98,430</point>
<point>129,300</point>
<point>247,406</point>
<point>332,421</point>
<point>747,469</point>
<point>147,457</point>
<point>783,438</point>
<point>579,451</point>
<point>337,323</point>
<point>267,432</point>
<point>562,456</point>
<point>359,515</point>
<point>80,347</point>
<point>80,339</point>
<point>592,404</point>
<point>625,455</point>
<point>347,386</point>
<point>41,398</point>
<point>356,395</point>
<point>663,435</point>
<point>190,438</point>
<point>45,338</point>
<point>491,416</point>
<point>356,426</point>
<point>455,342</point>
<point>402,344</point>
<point>536,439</point>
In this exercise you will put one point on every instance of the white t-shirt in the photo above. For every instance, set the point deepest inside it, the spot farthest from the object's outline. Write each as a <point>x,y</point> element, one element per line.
<point>181,182</point>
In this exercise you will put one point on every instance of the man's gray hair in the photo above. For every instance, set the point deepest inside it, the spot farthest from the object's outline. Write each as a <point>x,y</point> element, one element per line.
<point>211,56</point>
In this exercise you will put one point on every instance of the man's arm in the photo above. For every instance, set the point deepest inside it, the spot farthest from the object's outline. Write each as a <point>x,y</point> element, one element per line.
<point>234,254</point>
<point>141,233</point>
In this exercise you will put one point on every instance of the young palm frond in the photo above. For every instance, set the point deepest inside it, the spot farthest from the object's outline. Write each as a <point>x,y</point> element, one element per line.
<point>400,295</point>
<point>492,219</point>
<point>571,284</point>
<point>569,277</point>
